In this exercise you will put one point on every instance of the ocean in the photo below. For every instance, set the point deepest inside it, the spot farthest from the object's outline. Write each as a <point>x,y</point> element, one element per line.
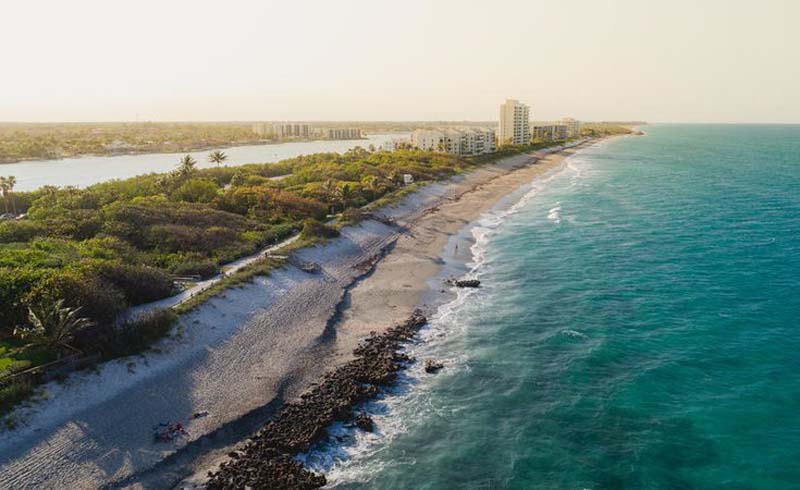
<point>637,326</point>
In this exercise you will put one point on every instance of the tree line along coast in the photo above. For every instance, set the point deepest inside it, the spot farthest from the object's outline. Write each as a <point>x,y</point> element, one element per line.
<point>48,141</point>
<point>72,260</point>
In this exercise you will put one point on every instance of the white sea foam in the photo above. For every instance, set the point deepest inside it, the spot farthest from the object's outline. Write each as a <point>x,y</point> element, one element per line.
<point>554,214</point>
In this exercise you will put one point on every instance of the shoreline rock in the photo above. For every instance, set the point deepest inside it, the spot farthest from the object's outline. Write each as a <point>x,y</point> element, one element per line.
<point>268,459</point>
<point>432,366</point>
<point>463,283</point>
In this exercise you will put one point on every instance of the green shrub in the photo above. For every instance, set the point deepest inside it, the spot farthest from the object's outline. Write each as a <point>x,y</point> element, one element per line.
<point>139,283</point>
<point>196,190</point>
<point>20,231</point>
<point>12,393</point>
<point>131,337</point>
<point>315,229</point>
<point>196,266</point>
<point>101,301</point>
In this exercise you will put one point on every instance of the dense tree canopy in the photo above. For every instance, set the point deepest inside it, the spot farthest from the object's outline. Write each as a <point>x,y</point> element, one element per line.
<point>121,243</point>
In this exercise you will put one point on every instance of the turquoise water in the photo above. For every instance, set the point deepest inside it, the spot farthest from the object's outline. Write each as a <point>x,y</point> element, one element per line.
<point>637,328</point>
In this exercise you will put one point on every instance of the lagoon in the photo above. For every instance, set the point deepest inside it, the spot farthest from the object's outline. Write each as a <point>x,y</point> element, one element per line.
<point>87,170</point>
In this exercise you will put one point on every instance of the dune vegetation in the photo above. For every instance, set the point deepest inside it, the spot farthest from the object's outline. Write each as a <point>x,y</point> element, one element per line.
<point>122,243</point>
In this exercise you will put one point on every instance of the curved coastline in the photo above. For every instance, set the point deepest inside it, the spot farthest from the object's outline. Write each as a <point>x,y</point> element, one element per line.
<point>436,245</point>
<point>241,356</point>
<point>339,455</point>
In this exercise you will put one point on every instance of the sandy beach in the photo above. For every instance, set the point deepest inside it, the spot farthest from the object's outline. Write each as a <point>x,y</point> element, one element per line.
<point>242,354</point>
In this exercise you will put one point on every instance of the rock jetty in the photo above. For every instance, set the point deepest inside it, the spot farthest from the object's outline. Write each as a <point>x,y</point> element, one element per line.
<point>268,459</point>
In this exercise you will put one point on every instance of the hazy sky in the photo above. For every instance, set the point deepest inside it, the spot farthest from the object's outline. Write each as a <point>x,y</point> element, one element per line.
<point>676,60</point>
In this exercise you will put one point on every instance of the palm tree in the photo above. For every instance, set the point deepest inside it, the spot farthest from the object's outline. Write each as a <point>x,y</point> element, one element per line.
<point>217,157</point>
<point>373,185</point>
<point>186,167</point>
<point>345,195</point>
<point>52,324</point>
<point>11,181</point>
<point>4,191</point>
<point>395,178</point>
<point>162,182</point>
<point>329,190</point>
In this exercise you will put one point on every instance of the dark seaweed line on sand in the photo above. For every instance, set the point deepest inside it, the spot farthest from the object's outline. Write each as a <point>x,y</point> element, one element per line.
<point>268,458</point>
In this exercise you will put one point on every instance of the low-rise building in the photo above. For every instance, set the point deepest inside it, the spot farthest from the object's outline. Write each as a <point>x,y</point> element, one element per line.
<point>573,127</point>
<point>548,131</point>
<point>462,142</point>
<point>291,130</point>
<point>427,140</point>
<point>344,134</point>
<point>281,131</point>
<point>396,144</point>
<point>262,129</point>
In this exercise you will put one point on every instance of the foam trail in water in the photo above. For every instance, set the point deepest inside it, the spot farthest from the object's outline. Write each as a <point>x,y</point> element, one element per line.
<point>345,456</point>
<point>554,214</point>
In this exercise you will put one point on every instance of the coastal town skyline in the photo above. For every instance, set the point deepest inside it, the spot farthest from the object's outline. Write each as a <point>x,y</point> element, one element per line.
<point>354,60</point>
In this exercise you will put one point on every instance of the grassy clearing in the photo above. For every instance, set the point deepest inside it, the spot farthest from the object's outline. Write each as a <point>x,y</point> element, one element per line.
<point>260,267</point>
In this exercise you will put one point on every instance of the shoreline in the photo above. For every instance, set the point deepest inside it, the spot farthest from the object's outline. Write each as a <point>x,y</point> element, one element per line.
<point>145,152</point>
<point>242,355</point>
<point>409,279</point>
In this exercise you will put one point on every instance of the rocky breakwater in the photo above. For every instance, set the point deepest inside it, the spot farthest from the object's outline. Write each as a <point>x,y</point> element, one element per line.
<point>268,458</point>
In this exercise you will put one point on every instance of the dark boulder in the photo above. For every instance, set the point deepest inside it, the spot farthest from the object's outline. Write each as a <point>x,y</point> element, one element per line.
<point>463,283</point>
<point>365,423</point>
<point>432,366</point>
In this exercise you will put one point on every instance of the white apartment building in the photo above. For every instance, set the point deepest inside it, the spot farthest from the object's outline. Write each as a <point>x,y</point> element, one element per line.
<point>262,129</point>
<point>395,144</point>
<point>280,131</point>
<point>573,127</point>
<point>514,123</point>
<point>427,140</point>
<point>344,134</point>
<point>291,130</point>
<point>549,131</point>
<point>455,141</point>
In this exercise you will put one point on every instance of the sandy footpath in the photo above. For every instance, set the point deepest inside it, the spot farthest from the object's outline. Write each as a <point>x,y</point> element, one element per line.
<point>242,353</point>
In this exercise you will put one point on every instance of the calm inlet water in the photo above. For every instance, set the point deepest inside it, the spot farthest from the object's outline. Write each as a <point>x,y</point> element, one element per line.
<point>88,170</point>
<point>638,327</point>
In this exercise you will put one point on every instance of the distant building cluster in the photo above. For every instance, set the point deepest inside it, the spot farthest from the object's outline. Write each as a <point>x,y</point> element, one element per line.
<point>462,142</point>
<point>281,131</point>
<point>304,131</point>
<point>555,131</point>
<point>514,128</point>
<point>344,134</point>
